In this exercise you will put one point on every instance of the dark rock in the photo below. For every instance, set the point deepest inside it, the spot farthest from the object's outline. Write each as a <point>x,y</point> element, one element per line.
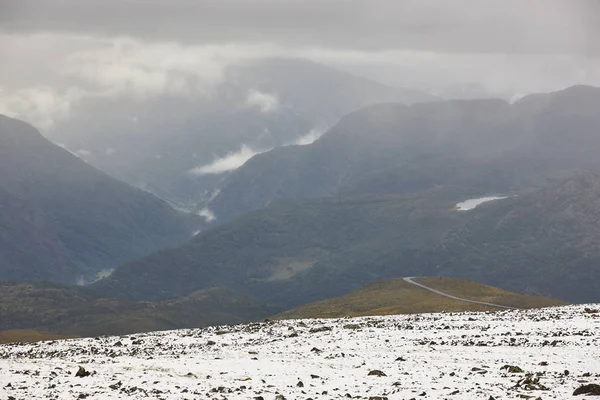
<point>376,372</point>
<point>82,373</point>
<point>592,389</point>
<point>320,329</point>
<point>512,369</point>
<point>115,386</point>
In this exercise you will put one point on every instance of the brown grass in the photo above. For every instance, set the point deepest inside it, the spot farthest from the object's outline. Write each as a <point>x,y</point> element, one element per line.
<point>395,296</point>
<point>27,336</point>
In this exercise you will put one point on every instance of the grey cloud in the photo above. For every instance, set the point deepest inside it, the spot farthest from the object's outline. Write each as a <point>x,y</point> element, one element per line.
<point>472,26</point>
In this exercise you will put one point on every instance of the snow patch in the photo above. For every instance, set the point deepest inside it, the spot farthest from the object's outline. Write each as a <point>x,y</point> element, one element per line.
<point>432,356</point>
<point>472,203</point>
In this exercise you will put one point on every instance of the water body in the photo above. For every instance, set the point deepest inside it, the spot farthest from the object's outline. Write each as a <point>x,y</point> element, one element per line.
<point>472,203</point>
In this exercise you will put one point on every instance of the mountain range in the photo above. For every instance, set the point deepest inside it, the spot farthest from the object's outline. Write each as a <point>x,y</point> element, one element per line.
<point>376,197</point>
<point>489,145</point>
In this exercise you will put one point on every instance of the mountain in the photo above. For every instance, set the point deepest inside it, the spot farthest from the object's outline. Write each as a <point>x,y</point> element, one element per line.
<point>540,243</point>
<point>298,251</point>
<point>63,220</point>
<point>160,142</point>
<point>489,145</point>
<point>396,296</point>
<point>77,311</point>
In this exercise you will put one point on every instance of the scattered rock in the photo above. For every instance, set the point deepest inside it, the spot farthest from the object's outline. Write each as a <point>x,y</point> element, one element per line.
<point>376,372</point>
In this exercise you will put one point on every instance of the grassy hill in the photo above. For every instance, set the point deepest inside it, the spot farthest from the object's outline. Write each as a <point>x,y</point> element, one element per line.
<point>396,296</point>
<point>76,311</point>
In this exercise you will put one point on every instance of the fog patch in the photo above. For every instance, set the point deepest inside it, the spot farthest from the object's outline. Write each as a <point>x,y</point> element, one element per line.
<point>208,216</point>
<point>229,162</point>
<point>310,137</point>
<point>266,102</point>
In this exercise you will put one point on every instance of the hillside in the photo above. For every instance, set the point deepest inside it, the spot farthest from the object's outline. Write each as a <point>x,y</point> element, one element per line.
<point>299,251</point>
<point>547,353</point>
<point>489,145</point>
<point>154,143</point>
<point>540,243</point>
<point>76,311</point>
<point>63,220</point>
<point>396,296</point>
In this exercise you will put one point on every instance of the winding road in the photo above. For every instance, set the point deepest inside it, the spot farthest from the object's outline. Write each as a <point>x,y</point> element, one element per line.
<point>410,280</point>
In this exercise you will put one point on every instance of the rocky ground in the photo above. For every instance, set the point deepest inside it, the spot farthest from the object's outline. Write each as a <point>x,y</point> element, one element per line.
<point>549,354</point>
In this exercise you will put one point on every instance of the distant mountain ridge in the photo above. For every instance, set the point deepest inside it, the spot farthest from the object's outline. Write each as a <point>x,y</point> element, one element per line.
<point>62,220</point>
<point>489,145</point>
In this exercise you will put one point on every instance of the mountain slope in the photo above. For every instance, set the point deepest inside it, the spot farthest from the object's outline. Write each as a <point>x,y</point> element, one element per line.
<point>76,311</point>
<point>540,243</point>
<point>396,296</point>
<point>295,252</point>
<point>62,220</point>
<point>484,144</point>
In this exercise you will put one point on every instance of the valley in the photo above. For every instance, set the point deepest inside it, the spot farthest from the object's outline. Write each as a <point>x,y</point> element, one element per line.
<point>283,200</point>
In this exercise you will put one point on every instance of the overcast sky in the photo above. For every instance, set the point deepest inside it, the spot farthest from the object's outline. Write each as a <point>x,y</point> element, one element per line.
<point>54,52</point>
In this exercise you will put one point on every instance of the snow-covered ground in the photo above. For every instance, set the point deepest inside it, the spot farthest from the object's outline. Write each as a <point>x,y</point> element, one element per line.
<point>472,203</point>
<point>427,356</point>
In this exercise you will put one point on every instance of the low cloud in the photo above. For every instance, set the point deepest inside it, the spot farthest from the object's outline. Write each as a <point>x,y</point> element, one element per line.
<point>310,137</point>
<point>231,161</point>
<point>41,106</point>
<point>266,102</point>
<point>208,215</point>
